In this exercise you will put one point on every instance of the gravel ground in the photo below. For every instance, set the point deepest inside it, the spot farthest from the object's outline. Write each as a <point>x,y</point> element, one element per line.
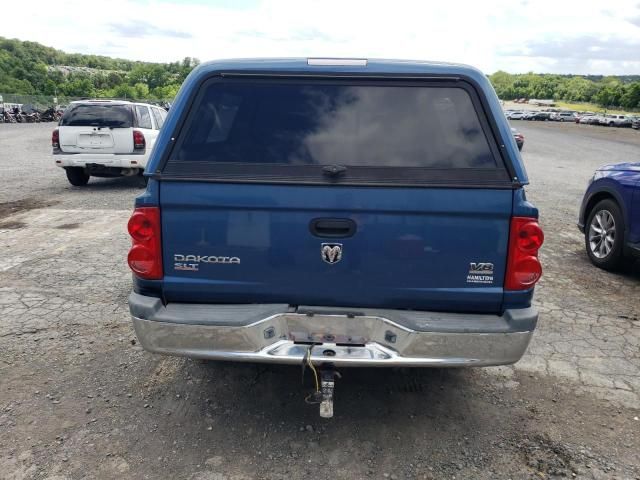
<point>28,172</point>
<point>80,399</point>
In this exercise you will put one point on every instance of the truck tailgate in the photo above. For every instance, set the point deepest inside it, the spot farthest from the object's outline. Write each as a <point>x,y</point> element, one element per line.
<point>418,248</point>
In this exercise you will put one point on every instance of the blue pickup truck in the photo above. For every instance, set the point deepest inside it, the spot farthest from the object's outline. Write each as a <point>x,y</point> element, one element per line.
<point>336,212</point>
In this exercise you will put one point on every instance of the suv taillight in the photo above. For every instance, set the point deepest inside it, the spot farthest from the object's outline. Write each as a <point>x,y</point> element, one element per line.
<point>145,256</point>
<point>138,140</point>
<point>55,138</point>
<point>523,267</point>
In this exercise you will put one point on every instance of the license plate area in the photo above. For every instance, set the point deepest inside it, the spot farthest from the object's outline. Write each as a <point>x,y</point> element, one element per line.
<point>318,338</point>
<point>95,140</point>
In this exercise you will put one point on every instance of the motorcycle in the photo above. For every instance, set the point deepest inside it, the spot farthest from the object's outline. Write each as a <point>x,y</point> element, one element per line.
<point>50,115</point>
<point>33,117</point>
<point>30,114</point>
<point>8,118</point>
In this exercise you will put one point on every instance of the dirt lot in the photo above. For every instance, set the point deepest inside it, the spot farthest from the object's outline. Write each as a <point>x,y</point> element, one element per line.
<point>80,399</point>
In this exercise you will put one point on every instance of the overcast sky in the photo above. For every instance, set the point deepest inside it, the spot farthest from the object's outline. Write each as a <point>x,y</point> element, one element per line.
<point>558,36</point>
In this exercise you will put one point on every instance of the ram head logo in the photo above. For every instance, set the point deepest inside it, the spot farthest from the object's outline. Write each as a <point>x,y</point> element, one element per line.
<point>331,252</point>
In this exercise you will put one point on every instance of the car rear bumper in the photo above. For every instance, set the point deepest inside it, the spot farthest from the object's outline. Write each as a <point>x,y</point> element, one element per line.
<point>346,337</point>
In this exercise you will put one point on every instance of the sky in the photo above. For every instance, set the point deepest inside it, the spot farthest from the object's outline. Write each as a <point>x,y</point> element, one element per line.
<point>545,36</point>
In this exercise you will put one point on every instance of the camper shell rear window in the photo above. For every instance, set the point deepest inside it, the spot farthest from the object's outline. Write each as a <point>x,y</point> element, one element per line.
<point>352,131</point>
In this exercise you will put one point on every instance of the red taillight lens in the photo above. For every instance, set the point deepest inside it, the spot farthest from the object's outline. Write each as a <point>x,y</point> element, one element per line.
<point>145,256</point>
<point>138,140</point>
<point>140,226</point>
<point>141,261</point>
<point>530,237</point>
<point>55,138</point>
<point>523,267</point>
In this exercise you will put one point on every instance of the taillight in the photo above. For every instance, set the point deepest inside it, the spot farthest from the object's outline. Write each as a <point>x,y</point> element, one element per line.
<point>145,256</point>
<point>523,267</point>
<point>138,140</point>
<point>55,138</point>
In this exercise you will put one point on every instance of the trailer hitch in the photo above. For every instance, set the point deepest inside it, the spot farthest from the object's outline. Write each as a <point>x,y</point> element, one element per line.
<point>327,387</point>
<point>324,378</point>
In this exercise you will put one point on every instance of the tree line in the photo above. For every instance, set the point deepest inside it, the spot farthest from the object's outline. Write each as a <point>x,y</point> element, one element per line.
<point>30,68</point>
<point>611,91</point>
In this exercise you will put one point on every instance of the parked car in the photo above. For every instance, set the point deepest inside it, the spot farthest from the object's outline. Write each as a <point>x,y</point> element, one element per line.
<point>539,116</point>
<point>610,215</point>
<point>565,116</point>
<point>276,229</point>
<point>518,137</point>
<point>516,115</point>
<point>635,123</point>
<point>615,121</point>
<point>590,119</point>
<point>105,138</point>
<point>528,114</point>
<point>581,115</point>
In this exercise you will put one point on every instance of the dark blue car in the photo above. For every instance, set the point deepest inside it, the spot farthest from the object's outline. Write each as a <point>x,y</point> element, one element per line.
<point>336,212</point>
<point>610,215</point>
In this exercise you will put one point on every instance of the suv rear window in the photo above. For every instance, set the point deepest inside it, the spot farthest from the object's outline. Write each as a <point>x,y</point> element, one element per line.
<point>97,115</point>
<point>267,127</point>
<point>144,117</point>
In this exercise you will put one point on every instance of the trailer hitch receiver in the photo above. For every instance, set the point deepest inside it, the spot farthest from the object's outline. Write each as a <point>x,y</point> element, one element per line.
<point>327,386</point>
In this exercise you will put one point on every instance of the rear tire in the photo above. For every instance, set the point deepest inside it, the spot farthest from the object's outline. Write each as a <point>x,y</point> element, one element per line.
<point>604,235</point>
<point>77,176</point>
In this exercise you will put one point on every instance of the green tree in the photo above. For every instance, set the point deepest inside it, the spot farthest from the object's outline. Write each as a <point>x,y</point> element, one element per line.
<point>32,68</point>
<point>114,79</point>
<point>123,91</point>
<point>166,92</point>
<point>578,89</point>
<point>141,90</point>
<point>610,93</point>
<point>79,86</point>
<point>503,84</point>
<point>630,99</point>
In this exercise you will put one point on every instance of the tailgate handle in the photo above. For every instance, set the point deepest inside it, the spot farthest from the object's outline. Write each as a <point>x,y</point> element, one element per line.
<point>332,227</point>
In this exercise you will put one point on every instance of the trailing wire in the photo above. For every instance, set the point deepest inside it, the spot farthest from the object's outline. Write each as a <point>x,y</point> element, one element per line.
<point>313,368</point>
<point>307,360</point>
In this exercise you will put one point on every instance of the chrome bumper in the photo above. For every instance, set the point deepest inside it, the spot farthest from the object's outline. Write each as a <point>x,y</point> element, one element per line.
<point>364,338</point>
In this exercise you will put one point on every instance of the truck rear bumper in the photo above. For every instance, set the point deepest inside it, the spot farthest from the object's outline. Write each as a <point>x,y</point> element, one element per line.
<point>344,337</point>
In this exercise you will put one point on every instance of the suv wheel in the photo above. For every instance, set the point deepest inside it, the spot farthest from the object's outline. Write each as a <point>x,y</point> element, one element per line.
<point>604,232</point>
<point>77,176</point>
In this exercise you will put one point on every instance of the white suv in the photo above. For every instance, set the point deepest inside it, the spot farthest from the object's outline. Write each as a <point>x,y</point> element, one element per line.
<point>105,138</point>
